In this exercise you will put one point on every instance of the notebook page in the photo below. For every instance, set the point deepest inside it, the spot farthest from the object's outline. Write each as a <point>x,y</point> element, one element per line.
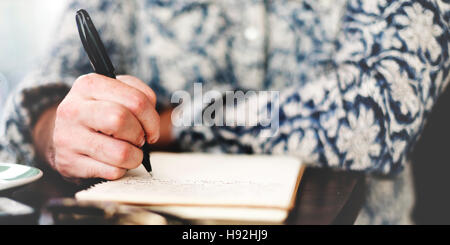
<point>205,179</point>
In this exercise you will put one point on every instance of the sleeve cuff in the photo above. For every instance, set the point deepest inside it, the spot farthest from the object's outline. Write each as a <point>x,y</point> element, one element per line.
<point>21,113</point>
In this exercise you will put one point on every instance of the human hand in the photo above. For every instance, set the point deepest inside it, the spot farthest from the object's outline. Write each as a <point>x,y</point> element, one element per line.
<point>100,125</point>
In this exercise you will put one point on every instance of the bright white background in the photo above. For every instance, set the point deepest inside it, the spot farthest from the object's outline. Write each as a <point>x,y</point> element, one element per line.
<point>26,27</point>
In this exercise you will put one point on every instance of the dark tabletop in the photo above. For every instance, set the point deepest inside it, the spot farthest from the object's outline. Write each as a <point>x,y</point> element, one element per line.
<point>324,196</point>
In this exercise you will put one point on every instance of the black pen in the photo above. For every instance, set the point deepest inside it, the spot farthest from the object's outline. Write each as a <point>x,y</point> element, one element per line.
<point>100,61</point>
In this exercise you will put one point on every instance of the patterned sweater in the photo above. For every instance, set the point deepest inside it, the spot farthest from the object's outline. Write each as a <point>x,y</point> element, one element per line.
<point>356,78</point>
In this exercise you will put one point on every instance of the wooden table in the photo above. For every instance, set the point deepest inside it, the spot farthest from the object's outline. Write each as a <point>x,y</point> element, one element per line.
<point>324,196</point>
<point>328,197</point>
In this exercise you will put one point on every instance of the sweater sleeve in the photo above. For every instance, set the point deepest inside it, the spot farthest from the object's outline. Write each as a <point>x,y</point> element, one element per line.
<point>365,114</point>
<point>51,79</point>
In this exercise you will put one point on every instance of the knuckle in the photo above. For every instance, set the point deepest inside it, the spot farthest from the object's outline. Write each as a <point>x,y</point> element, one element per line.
<point>84,81</point>
<point>138,103</point>
<point>117,120</point>
<point>123,153</point>
<point>67,110</point>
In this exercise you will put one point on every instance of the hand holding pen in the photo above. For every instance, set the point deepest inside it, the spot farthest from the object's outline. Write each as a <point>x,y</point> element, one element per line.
<point>101,63</point>
<point>103,121</point>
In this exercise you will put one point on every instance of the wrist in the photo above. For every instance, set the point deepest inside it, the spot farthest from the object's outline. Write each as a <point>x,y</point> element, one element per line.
<point>43,135</point>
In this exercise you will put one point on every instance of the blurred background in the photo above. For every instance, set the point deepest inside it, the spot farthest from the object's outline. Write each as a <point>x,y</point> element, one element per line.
<point>26,27</point>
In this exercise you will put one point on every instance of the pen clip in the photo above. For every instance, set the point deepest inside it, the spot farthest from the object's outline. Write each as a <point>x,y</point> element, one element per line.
<point>93,45</point>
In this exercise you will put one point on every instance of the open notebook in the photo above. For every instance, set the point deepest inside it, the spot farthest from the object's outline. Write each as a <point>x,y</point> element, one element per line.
<point>216,187</point>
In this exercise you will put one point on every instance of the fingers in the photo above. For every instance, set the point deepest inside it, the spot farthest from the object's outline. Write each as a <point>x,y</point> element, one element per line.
<point>100,124</point>
<point>138,84</point>
<point>81,166</point>
<point>109,150</point>
<point>70,138</point>
<point>141,104</point>
<point>112,119</point>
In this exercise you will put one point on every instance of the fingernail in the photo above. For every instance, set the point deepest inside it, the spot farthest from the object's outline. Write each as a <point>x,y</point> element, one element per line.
<point>152,140</point>
<point>155,138</point>
<point>142,142</point>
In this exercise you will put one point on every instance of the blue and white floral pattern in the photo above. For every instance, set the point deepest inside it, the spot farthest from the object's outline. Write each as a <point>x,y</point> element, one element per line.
<point>357,78</point>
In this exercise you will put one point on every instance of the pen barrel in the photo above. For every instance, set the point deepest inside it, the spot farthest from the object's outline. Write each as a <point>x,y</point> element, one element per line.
<point>93,45</point>
<point>100,61</point>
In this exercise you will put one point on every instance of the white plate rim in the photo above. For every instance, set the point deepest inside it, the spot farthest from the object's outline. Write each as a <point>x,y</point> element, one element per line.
<point>22,181</point>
